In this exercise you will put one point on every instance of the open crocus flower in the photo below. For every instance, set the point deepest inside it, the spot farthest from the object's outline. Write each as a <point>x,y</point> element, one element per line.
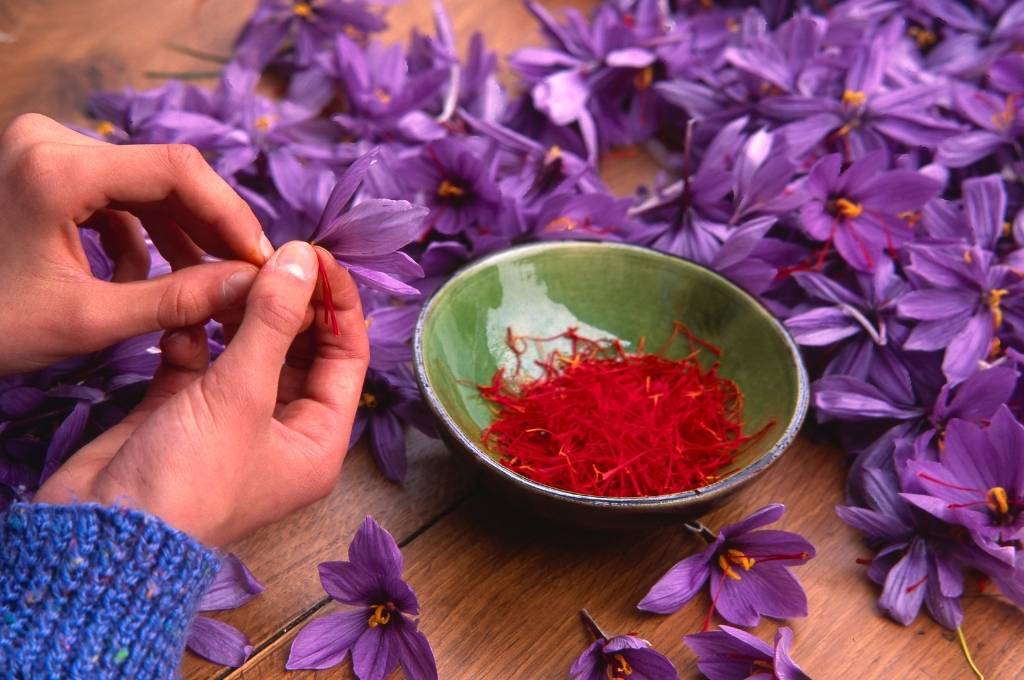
<point>999,124</point>
<point>379,632</point>
<point>748,570</point>
<point>857,209</point>
<point>619,657</point>
<point>978,481</point>
<point>233,586</point>
<point>732,654</point>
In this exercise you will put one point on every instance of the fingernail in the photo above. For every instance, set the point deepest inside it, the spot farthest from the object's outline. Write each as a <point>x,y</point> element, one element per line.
<point>236,287</point>
<point>297,259</point>
<point>266,247</point>
<point>181,337</point>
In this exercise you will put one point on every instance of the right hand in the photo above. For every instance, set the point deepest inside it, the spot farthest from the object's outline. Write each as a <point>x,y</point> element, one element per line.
<point>220,450</point>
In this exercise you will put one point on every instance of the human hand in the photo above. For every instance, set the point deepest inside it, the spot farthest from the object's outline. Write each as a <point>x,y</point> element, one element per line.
<point>53,180</point>
<point>218,451</point>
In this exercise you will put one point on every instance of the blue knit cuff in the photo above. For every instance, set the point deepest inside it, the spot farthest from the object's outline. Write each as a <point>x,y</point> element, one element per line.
<point>98,592</point>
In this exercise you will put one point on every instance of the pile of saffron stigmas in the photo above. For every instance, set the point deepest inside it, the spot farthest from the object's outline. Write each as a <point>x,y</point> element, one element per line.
<point>602,421</point>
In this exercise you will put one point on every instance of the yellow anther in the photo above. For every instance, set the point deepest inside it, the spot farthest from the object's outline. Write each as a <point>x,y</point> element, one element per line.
<point>732,25</point>
<point>643,78</point>
<point>563,223</point>
<point>302,9</point>
<point>264,122</point>
<point>733,557</point>
<point>911,217</point>
<point>848,209</point>
<point>994,298</point>
<point>618,668</point>
<point>1007,228</point>
<point>997,500</point>
<point>854,97</point>
<point>968,257</point>
<point>382,95</point>
<point>995,349</point>
<point>380,615</point>
<point>553,154</point>
<point>923,36</point>
<point>845,130</point>
<point>707,4</point>
<point>447,189</point>
<point>368,400</point>
<point>1004,119</point>
<point>105,128</point>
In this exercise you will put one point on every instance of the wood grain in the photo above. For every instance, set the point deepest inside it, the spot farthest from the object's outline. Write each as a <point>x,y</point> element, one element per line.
<point>500,595</point>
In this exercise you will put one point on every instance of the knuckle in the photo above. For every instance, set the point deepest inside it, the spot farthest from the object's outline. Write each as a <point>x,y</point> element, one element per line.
<point>183,159</point>
<point>276,313</point>
<point>25,128</point>
<point>37,164</point>
<point>179,306</point>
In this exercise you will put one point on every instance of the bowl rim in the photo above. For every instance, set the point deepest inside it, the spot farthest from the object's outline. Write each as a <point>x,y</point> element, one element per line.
<point>716,489</point>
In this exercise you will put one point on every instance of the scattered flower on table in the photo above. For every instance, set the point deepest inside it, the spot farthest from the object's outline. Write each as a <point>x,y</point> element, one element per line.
<point>733,654</point>
<point>619,657</point>
<point>748,570</point>
<point>379,632</point>
<point>219,642</point>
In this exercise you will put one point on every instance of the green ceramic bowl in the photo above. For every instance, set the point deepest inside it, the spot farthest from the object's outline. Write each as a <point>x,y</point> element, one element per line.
<point>606,290</point>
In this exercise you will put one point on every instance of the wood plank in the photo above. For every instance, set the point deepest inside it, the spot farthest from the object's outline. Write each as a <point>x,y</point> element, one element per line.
<point>500,596</point>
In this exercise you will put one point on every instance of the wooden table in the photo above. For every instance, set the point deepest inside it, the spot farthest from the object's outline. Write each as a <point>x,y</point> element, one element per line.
<point>500,596</point>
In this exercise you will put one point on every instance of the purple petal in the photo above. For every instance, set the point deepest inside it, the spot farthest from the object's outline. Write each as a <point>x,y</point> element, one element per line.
<point>350,583</point>
<point>324,642</point>
<point>373,548</point>
<point>377,226</point>
<point>785,667</point>
<point>768,588</point>
<point>233,586</point>
<point>66,439</point>
<point>904,590</point>
<point>413,651</point>
<point>373,655</point>
<point>679,584</point>
<point>387,443</point>
<point>562,97</point>
<point>218,642</point>
<point>757,519</point>
<point>852,399</point>
<point>874,525</point>
<point>630,57</point>
<point>934,304</point>
<point>821,326</point>
<point>899,190</point>
<point>589,665</point>
<point>963,150</point>
<point>968,348</point>
<point>985,206</point>
<point>649,663</point>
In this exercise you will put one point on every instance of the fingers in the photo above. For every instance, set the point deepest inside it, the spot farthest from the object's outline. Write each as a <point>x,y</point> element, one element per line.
<point>109,312</point>
<point>184,357</point>
<point>334,381</point>
<point>122,240</point>
<point>274,314</point>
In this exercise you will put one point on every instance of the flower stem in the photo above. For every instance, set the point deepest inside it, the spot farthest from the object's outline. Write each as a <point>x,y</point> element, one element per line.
<point>183,75</point>
<point>198,54</point>
<point>701,530</point>
<point>967,654</point>
<point>592,626</point>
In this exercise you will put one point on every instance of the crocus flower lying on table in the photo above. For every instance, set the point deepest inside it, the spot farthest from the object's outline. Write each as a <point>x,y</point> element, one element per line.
<point>379,632</point>
<point>233,586</point>
<point>619,657</point>
<point>732,654</point>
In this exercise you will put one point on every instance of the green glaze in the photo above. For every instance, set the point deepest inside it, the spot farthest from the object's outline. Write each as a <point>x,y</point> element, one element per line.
<point>605,290</point>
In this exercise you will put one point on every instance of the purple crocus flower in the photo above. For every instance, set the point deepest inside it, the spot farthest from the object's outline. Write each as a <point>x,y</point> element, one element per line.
<point>619,657</point>
<point>957,304</point>
<point>858,209</point>
<point>379,632</point>
<point>233,586</point>
<point>748,571</point>
<point>389,400</point>
<point>733,654</point>
<point>309,24</point>
<point>452,178</point>
<point>978,481</point>
<point>998,121</point>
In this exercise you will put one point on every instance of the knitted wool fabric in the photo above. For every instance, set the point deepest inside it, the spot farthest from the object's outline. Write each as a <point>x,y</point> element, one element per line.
<point>88,591</point>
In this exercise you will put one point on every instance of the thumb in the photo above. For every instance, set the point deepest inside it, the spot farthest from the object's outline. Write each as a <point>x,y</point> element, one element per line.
<point>274,314</point>
<point>187,297</point>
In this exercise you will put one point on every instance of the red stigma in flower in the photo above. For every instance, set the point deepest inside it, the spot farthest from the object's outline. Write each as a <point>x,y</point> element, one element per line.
<point>914,586</point>
<point>330,316</point>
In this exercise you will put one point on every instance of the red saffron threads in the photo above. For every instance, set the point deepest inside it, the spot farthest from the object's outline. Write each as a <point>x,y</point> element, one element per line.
<point>605,422</point>
<point>330,316</point>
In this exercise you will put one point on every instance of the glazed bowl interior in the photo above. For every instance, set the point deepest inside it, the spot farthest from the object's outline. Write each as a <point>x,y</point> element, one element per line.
<point>606,291</point>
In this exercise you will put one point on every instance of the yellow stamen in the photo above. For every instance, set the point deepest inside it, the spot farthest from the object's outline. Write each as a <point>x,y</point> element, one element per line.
<point>845,130</point>
<point>923,36</point>
<point>553,154</point>
<point>1004,119</point>
<point>854,97</point>
<point>968,257</point>
<point>735,557</point>
<point>643,79</point>
<point>368,400</point>
<point>619,669</point>
<point>302,9</point>
<point>995,349</point>
<point>368,321</point>
<point>382,95</point>
<point>380,616</point>
<point>447,189</point>
<point>911,217</point>
<point>994,298</point>
<point>105,128</point>
<point>732,25</point>
<point>997,501</point>
<point>849,209</point>
<point>563,223</point>
<point>1007,228</point>
<point>264,122</point>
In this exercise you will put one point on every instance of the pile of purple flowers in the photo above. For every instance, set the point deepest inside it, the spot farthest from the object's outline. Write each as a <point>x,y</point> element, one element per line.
<point>859,166</point>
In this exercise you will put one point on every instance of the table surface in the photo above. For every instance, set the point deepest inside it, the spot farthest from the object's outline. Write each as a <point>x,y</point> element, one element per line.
<point>500,594</point>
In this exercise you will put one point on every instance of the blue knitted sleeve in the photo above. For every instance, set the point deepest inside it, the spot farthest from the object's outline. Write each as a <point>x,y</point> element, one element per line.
<point>88,591</point>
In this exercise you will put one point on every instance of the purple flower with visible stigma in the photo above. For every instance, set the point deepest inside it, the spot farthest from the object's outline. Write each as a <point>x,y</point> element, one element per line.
<point>733,654</point>
<point>978,481</point>
<point>999,125</point>
<point>619,658</point>
<point>379,632</point>
<point>233,586</point>
<point>748,571</point>
<point>858,209</point>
